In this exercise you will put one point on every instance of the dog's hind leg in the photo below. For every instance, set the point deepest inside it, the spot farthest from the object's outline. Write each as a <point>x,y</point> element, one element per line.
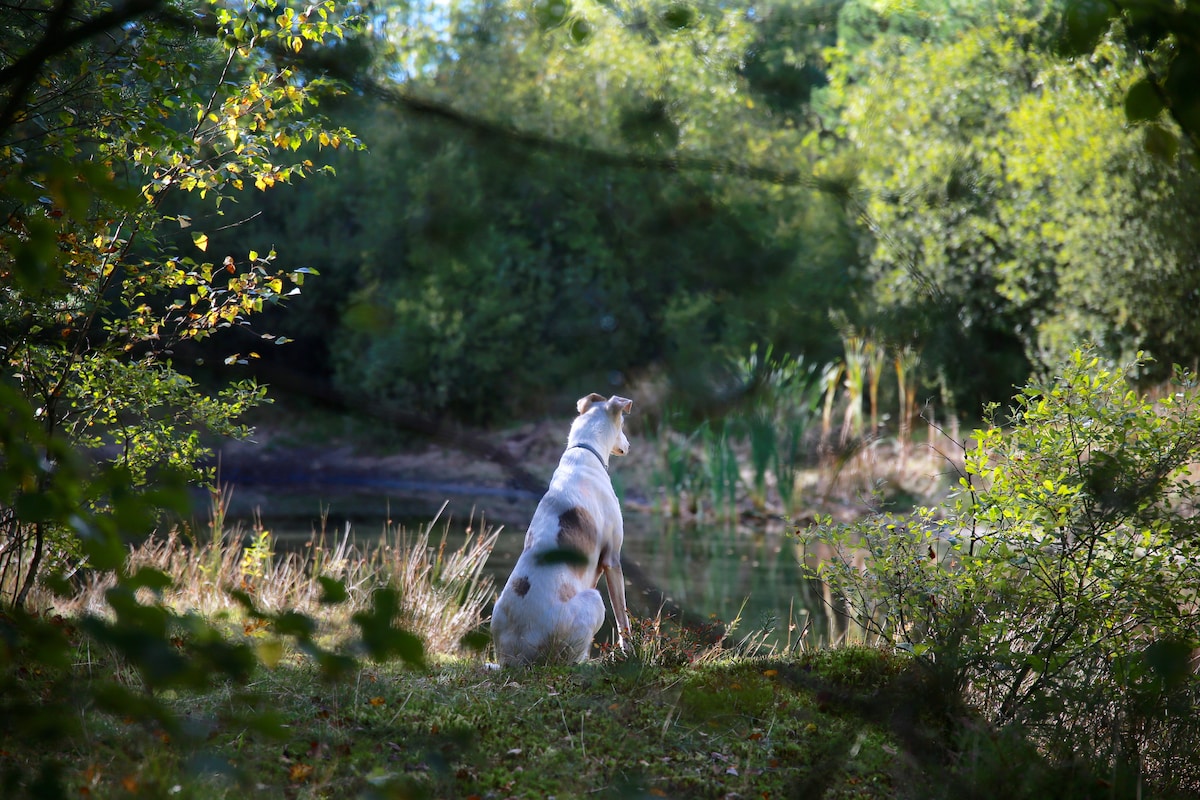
<point>583,614</point>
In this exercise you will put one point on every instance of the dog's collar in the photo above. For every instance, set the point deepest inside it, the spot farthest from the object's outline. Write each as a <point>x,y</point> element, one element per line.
<point>593,451</point>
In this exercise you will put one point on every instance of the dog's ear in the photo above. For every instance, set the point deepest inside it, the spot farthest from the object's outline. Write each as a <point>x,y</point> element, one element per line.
<point>619,405</point>
<point>587,402</point>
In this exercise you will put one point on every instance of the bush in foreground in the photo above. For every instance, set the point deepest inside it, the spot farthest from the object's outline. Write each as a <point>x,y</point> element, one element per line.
<point>1058,591</point>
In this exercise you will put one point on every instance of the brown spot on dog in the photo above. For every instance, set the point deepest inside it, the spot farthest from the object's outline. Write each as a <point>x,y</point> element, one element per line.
<point>521,586</point>
<point>566,592</point>
<point>577,533</point>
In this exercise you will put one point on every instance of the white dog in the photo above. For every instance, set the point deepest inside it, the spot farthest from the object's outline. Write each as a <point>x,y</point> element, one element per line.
<point>550,610</point>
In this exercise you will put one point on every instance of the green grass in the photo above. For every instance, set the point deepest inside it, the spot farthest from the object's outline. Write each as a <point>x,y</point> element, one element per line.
<point>679,717</point>
<point>748,728</point>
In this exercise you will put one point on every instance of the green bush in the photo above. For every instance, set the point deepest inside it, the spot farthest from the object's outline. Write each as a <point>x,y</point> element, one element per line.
<point>1058,590</point>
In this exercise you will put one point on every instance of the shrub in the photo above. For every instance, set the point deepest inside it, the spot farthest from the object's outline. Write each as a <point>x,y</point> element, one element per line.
<point>1058,589</point>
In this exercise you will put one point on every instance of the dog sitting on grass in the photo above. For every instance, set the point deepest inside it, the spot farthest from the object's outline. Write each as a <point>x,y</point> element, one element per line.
<point>549,610</point>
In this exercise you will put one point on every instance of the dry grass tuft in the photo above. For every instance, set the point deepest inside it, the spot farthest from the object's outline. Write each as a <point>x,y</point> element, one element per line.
<point>443,590</point>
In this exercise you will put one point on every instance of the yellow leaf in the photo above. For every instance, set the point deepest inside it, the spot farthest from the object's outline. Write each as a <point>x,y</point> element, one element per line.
<point>270,652</point>
<point>299,773</point>
<point>201,240</point>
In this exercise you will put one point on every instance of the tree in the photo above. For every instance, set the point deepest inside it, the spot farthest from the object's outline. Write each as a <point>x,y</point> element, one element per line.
<point>106,118</point>
<point>1098,224</point>
<point>1011,207</point>
<point>922,125</point>
<point>569,188</point>
<point>106,114</point>
<point>1164,37</point>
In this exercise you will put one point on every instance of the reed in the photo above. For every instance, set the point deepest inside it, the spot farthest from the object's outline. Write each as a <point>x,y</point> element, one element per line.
<point>721,467</point>
<point>855,348</point>
<point>830,380</point>
<point>906,361</point>
<point>875,356</point>
<point>763,439</point>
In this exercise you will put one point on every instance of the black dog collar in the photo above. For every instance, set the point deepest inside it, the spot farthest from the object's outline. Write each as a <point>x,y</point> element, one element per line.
<point>593,451</point>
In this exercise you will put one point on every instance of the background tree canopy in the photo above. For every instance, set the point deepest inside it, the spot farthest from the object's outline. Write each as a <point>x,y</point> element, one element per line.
<point>567,194</point>
<point>562,195</point>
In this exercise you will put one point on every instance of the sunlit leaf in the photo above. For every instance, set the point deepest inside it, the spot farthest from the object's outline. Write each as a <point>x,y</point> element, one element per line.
<point>270,652</point>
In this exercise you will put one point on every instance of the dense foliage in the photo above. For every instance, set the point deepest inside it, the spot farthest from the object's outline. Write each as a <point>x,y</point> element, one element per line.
<point>1058,591</point>
<point>562,194</point>
<point>1015,205</point>
<point>633,189</point>
<point>104,117</point>
<point>97,291</point>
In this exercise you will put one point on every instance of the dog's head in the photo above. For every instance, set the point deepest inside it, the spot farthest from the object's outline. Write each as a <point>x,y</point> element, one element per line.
<point>613,410</point>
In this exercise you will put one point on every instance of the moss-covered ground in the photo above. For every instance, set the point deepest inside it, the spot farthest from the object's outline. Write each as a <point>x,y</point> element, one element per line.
<point>831,724</point>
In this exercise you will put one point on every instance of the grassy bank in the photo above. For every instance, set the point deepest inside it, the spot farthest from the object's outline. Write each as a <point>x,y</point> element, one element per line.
<point>676,718</point>
<point>836,724</point>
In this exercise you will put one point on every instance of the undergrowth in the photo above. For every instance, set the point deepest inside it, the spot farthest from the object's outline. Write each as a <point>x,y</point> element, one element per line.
<point>442,590</point>
<point>838,723</point>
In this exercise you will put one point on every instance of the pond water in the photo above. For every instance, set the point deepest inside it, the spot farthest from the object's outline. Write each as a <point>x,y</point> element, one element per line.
<point>724,570</point>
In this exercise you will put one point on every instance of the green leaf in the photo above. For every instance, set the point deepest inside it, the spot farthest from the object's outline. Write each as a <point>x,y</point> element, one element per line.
<point>476,641</point>
<point>568,556</point>
<point>581,30</point>
<point>1084,22</point>
<point>550,13</point>
<point>381,638</point>
<point>36,507</point>
<point>1143,101</point>
<point>149,578</point>
<point>1170,660</point>
<point>678,16</point>
<point>294,624</point>
<point>1181,89</point>
<point>333,591</point>
<point>35,256</point>
<point>1160,143</point>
